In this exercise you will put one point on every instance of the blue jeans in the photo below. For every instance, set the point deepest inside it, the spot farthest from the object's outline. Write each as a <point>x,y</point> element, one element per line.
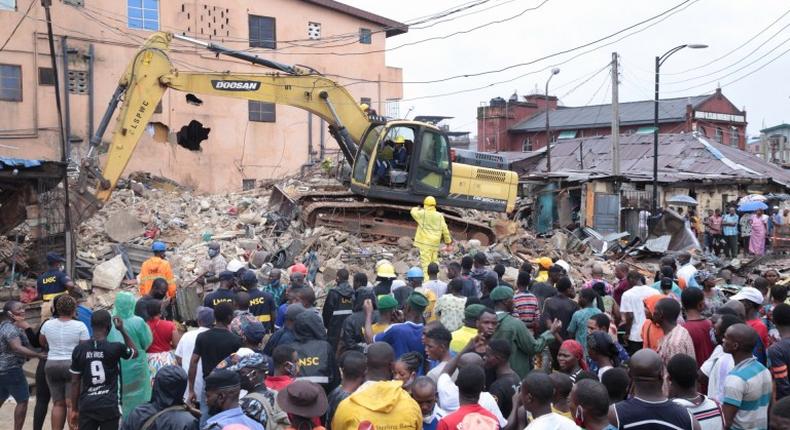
<point>203,408</point>
<point>14,384</point>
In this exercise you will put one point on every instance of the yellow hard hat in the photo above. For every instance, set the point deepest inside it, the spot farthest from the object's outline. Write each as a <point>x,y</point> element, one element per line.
<point>386,270</point>
<point>364,106</point>
<point>399,139</point>
<point>429,201</point>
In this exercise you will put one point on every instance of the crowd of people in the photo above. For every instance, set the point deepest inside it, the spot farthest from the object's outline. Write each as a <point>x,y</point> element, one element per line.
<point>665,351</point>
<point>728,234</point>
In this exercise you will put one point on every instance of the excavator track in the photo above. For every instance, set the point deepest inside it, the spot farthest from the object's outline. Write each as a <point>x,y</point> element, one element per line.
<point>385,220</point>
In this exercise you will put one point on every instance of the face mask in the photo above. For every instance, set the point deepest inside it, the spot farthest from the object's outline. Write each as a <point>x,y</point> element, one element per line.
<point>213,253</point>
<point>291,369</point>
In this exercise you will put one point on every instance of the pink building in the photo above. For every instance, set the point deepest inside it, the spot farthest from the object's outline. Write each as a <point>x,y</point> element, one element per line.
<point>247,141</point>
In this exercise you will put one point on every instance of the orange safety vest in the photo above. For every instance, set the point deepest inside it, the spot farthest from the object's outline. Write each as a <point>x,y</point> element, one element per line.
<point>153,268</point>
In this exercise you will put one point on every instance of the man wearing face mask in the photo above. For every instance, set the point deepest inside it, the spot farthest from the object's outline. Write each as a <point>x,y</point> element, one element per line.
<point>259,403</point>
<point>52,283</point>
<point>222,397</point>
<point>286,367</point>
<point>212,267</point>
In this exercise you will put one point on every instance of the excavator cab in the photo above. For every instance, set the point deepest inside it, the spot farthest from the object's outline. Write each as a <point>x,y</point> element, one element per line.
<point>427,170</point>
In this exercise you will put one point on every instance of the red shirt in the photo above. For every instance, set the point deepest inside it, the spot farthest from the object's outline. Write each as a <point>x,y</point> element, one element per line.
<point>758,326</point>
<point>700,330</point>
<point>163,335</point>
<point>621,288</point>
<point>277,383</point>
<point>452,421</point>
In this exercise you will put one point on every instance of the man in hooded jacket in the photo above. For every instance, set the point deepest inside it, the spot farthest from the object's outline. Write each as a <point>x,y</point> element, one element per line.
<point>316,355</point>
<point>166,406</point>
<point>431,231</point>
<point>136,378</point>
<point>337,307</point>
<point>352,337</point>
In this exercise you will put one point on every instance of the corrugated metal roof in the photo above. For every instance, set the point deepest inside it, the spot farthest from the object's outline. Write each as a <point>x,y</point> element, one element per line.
<point>638,112</point>
<point>683,156</point>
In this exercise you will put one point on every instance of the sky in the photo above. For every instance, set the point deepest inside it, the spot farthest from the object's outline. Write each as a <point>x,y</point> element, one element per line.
<point>556,25</point>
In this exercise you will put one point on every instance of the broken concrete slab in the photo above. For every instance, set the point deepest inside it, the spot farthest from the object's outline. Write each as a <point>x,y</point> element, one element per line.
<point>123,226</point>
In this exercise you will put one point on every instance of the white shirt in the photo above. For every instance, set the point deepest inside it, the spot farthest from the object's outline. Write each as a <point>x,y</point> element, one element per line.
<point>184,351</point>
<point>448,398</point>
<point>716,368</point>
<point>632,301</point>
<point>687,271</point>
<point>63,337</point>
<point>438,287</point>
<point>552,421</point>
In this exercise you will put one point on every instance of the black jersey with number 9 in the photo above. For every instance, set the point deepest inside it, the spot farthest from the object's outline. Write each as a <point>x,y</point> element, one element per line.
<point>98,364</point>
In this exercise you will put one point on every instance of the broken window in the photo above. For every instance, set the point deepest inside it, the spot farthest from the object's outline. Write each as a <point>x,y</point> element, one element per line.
<point>247,184</point>
<point>191,135</point>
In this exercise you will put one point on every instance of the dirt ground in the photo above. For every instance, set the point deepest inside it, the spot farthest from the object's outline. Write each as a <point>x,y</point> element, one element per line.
<point>7,415</point>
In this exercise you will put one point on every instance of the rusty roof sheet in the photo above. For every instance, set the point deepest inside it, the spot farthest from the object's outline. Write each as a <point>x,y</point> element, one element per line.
<point>682,157</point>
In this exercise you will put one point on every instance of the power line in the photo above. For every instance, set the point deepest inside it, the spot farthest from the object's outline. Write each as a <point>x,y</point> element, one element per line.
<point>732,50</point>
<point>719,78</point>
<point>16,27</point>
<point>733,64</point>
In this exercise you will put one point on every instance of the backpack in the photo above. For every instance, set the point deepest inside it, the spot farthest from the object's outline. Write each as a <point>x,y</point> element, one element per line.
<point>275,417</point>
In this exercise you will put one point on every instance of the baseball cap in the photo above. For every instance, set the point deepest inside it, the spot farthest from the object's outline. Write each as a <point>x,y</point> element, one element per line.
<point>501,293</point>
<point>749,293</point>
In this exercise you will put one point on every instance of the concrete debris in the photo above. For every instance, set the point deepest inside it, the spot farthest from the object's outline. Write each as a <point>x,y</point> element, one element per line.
<point>108,275</point>
<point>123,226</point>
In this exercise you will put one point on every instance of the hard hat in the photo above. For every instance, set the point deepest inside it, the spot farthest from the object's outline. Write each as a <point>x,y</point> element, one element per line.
<point>364,106</point>
<point>414,273</point>
<point>399,139</point>
<point>429,201</point>
<point>544,262</point>
<point>386,270</point>
<point>381,262</point>
<point>158,247</point>
<point>299,268</point>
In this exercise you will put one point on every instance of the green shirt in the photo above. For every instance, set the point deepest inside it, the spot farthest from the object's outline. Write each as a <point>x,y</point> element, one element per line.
<point>524,346</point>
<point>578,325</point>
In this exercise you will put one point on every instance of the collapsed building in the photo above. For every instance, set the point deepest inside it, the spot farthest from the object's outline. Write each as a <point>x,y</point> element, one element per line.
<point>581,189</point>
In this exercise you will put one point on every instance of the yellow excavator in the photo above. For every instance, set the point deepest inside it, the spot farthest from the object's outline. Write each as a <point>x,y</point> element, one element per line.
<point>379,191</point>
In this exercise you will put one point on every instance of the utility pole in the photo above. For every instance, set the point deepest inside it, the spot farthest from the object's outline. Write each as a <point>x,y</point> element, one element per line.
<point>63,137</point>
<point>615,118</point>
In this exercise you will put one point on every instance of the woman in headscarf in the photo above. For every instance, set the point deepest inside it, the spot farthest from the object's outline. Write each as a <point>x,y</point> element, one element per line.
<point>135,376</point>
<point>166,410</point>
<point>570,359</point>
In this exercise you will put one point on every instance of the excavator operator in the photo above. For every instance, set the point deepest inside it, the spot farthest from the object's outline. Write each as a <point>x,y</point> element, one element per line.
<point>400,156</point>
<point>431,231</point>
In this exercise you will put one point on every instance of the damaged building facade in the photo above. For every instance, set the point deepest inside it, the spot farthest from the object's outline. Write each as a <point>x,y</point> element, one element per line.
<point>207,143</point>
<point>520,125</point>
<point>581,189</point>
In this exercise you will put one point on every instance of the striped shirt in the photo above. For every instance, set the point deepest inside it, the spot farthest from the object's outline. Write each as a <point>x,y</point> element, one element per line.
<point>748,388</point>
<point>525,308</point>
<point>707,412</point>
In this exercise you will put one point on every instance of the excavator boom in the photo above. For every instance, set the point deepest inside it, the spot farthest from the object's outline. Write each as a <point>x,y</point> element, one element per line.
<point>151,73</point>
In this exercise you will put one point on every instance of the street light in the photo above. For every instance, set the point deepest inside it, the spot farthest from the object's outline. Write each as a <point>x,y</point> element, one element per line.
<point>554,71</point>
<point>659,61</point>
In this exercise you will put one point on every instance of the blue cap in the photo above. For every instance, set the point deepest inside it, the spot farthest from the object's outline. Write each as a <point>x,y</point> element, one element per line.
<point>414,272</point>
<point>226,275</point>
<point>248,279</point>
<point>158,247</point>
<point>54,257</point>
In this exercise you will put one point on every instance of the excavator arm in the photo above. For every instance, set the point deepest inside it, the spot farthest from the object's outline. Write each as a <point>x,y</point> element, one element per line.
<point>151,73</point>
